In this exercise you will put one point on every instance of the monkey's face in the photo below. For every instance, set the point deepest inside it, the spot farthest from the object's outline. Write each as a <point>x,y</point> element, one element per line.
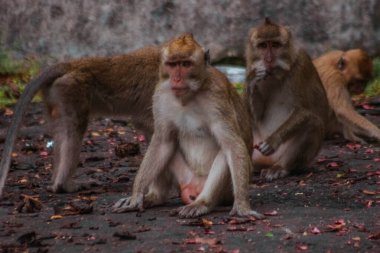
<point>356,66</point>
<point>270,48</point>
<point>180,78</point>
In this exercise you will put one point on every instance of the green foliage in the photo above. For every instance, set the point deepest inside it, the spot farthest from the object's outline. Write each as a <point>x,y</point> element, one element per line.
<point>373,88</point>
<point>239,87</point>
<point>14,74</point>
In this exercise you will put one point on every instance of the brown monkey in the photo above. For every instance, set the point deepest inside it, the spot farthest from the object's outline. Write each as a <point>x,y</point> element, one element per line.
<point>288,104</point>
<point>344,74</point>
<point>76,90</point>
<point>201,137</point>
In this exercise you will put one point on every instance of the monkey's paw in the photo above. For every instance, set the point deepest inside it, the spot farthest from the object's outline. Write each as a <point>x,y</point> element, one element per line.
<point>133,203</point>
<point>240,211</point>
<point>265,148</point>
<point>193,210</point>
<point>273,172</point>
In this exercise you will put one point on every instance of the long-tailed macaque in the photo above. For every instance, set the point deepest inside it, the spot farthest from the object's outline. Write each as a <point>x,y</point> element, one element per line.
<point>74,91</point>
<point>288,104</point>
<point>344,74</point>
<point>201,138</point>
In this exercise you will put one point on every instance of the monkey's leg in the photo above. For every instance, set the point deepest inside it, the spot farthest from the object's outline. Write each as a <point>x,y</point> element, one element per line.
<point>158,191</point>
<point>296,154</point>
<point>69,116</point>
<point>217,188</point>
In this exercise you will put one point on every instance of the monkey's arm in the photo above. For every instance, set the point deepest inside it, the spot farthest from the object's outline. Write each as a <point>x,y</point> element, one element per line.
<point>160,151</point>
<point>351,120</point>
<point>299,118</point>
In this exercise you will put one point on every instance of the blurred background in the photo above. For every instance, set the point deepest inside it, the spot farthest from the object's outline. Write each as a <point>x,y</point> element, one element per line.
<point>35,33</point>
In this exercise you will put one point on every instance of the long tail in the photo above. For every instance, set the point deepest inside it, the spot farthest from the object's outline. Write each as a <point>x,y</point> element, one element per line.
<point>46,78</point>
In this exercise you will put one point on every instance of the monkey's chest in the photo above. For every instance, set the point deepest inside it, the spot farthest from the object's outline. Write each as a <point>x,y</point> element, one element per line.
<point>196,143</point>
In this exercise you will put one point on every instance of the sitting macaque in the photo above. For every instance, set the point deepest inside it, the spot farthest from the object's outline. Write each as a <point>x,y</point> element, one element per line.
<point>201,138</point>
<point>344,74</point>
<point>76,90</point>
<point>288,103</point>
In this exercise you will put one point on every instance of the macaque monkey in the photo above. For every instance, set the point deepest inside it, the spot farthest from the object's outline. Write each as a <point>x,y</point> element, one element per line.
<point>344,74</point>
<point>287,101</point>
<point>201,138</point>
<point>74,91</point>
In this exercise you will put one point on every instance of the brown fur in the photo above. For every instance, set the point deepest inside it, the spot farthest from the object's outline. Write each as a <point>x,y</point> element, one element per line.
<point>74,91</point>
<point>342,74</point>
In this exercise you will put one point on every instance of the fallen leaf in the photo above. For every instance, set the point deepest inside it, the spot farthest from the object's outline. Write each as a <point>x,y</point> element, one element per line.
<point>56,217</point>
<point>8,112</point>
<point>360,227</point>
<point>140,137</point>
<point>200,240</point>
<point>29,204</point>
<point>332,165</point>
<point>368,107</point>
<point>315,231</point>
<point>353,146</point>
<point>369,192</point>
<point>302,247</point>
<point>206,223</point>
<point>337,226</point>
<point>375,236</point>
<point>269,234</point>
<point>236,228</point>
<point>272,213</point>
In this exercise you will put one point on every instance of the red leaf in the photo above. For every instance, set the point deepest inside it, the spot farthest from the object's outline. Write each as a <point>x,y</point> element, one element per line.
<point>332,165</point>
<point>369,192</point>
<point>368,107</point>
<point>315,231</point>
<point>375,236</point>
<point>302,247</point>
<point>353,146</point>
<point>200,240</point>
<point>272,213</point>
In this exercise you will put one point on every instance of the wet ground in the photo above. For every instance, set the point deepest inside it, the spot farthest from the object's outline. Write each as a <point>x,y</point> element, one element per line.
<point>335,207</point>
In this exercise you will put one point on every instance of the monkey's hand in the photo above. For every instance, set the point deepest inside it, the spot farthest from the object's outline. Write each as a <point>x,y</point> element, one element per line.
<point>265,148</point>
<point>133,203</point>
<point>245,211</point>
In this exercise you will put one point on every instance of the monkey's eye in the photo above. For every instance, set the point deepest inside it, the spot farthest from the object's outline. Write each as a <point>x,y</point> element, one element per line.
<point>171,64</point>
<point>276,44</point>
<point>187,64</point>
<point>262,45</point>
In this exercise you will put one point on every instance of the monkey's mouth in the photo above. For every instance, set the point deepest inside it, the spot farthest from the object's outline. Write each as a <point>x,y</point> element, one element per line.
<point>180,91</point>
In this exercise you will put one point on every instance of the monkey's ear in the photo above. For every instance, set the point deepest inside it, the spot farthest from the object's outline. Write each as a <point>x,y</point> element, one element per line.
<point>207,57</point>
<point>341,63</point>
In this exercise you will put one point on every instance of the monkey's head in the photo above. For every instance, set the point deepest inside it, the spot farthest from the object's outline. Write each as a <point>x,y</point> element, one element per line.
<point>270,46</point>
<point>356,67</point>
<point>183,64</point>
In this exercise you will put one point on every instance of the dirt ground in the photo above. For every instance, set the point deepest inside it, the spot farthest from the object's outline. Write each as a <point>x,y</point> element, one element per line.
<point>335,207</point>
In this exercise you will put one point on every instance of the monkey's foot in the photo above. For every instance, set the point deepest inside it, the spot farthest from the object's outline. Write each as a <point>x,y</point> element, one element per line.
<point>273,172</point>
<point>244,211</point>
<point>133,203</point>
<point>152,199</point>
<point>72,186</point>
<point>193,210</point>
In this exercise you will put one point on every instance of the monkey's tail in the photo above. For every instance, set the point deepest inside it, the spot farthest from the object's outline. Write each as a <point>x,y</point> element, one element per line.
<point>46,78</point>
